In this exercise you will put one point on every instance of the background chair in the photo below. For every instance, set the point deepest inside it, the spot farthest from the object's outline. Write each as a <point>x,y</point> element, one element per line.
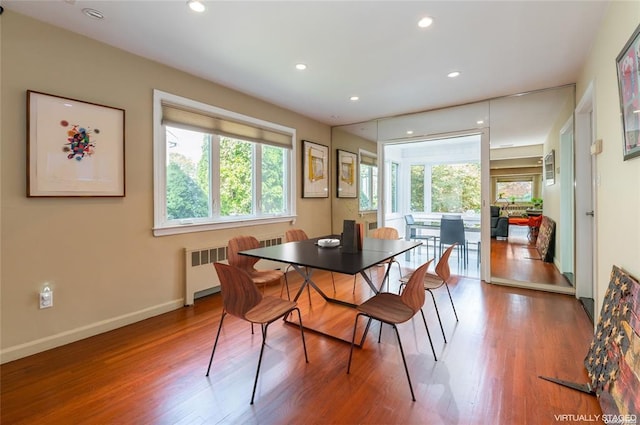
<point>242,299</point>
<point>394,309</point>
<point>413,234</point>
<point>452,232</point>
<point>437,280</point>
<point>388,233</point>
<point>259,277</point>
<point>499,225</point>
<point>296,235</point>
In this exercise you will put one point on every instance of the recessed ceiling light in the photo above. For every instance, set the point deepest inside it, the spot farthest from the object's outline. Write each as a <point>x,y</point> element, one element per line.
<point>301,66</point>
<point>453,74</point>
<point>479,122</point>
<point>354,98</point>
<point>92,13</point>
<point>409,132</point>
<point>196,5</point>
<point>425,22</point>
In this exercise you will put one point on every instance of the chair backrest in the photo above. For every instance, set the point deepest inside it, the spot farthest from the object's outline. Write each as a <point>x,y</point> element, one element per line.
<point>389,233</point>
<point>452,230</point>
<point>413,294</point>
<point>409,219</point>
<point>242,243</point>
<point>442,268</point>
<point>239,293</point>
<point>294,235</point>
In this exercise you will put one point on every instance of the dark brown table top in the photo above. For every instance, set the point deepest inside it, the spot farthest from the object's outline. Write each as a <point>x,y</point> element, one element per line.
<point>309,254</point>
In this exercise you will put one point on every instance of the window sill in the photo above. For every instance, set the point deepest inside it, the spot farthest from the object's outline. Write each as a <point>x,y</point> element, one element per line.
<point>204,227</point>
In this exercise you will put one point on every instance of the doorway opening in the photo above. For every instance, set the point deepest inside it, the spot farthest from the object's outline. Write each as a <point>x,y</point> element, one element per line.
<point>434,184</point>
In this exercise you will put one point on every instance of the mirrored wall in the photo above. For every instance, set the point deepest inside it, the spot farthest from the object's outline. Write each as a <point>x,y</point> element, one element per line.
<point>519,131</point>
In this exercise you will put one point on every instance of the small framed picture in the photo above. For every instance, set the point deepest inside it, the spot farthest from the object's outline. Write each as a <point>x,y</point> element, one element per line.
<point>315,176</point>
<point>74,148</point>
<point>346,174</point>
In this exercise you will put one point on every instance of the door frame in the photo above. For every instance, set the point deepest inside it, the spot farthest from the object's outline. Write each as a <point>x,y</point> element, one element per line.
<point>586,226</point>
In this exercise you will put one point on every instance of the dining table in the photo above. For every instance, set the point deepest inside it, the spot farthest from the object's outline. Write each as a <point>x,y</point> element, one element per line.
<point>307,256</point>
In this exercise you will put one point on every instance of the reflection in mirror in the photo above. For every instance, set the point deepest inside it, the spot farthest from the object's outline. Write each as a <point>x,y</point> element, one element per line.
<point>525,129</point>
<point>354,138</point>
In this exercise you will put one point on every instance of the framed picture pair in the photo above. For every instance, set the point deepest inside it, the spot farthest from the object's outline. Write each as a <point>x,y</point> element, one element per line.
<point>316,172</point>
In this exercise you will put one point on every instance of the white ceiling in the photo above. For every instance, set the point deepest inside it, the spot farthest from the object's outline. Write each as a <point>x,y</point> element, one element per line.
<point>372,49</point>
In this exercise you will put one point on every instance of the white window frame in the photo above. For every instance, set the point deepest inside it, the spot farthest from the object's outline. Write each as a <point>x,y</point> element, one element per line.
<point>374,156</point>
<point>162,226</point>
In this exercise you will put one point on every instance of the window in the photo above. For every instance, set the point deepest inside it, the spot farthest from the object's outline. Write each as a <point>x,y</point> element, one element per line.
<point>455,187</point>
<point>417,188</point>
<point>368,181</point>
<point>515,189</point>
<point>218,169</point>
<point>395,169</point>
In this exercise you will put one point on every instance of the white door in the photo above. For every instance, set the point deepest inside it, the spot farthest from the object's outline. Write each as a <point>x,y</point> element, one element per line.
<point>585,200</point>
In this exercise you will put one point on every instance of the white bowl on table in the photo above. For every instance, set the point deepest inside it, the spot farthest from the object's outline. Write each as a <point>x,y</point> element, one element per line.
<point>328,243</point>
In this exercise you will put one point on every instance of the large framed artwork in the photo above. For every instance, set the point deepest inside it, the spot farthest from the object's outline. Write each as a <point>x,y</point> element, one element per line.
<point>346,174</point>
<point>74,148</point>
<point>628,64</point>
<point>315,174</point>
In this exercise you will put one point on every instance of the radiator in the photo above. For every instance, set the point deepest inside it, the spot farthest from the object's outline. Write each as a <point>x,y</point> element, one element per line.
<point>200,276</point>
<point>369,226</point>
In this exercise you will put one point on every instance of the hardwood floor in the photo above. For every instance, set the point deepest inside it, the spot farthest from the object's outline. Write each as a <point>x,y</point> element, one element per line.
<point>153,372</point>
<point>517,259</point>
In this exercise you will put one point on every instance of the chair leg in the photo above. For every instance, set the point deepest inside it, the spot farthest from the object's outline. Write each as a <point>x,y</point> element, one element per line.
<point>224,313</point>
<point>353,339</point>
<point>286,283</point>
<point>333,281</point>
<point>255,382</point>
<point>451,299</point>
<point>304,345</point>
<point>404,361</point>
<point>429,335</point>
<point>438,314</point>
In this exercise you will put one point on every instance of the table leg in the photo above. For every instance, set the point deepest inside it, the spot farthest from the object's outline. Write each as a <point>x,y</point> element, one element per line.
<point>306,273</point>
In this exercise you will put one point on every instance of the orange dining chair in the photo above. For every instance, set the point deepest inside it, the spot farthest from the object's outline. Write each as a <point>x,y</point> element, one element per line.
<point>259,277</point>
<point>242,299</point>
<point>389,233</point>
<point>437,280</point>
<point>296,235</point>
<point>394,309</point>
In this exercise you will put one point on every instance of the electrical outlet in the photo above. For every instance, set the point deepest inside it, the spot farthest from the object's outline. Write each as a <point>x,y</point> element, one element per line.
<point>46,297</point>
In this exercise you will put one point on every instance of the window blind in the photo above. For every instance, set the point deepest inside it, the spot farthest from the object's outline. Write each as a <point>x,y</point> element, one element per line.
<point>186,118</point>
<point>368,160</point>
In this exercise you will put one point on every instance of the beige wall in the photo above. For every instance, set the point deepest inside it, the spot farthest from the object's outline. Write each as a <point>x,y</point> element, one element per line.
<point>618,191</point>
<point>99,255</point>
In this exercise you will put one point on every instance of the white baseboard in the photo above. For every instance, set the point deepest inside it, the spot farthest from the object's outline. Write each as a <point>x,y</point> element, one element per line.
<point>53,341</point>
<point>569,290</point>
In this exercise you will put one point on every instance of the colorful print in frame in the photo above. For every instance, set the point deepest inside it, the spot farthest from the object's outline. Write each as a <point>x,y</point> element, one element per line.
<point>315,179</point>
<point>346,174</point>
<point>74,148</point>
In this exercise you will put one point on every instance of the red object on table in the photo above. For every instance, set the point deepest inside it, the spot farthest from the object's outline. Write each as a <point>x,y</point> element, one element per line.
<point>519,221</point>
